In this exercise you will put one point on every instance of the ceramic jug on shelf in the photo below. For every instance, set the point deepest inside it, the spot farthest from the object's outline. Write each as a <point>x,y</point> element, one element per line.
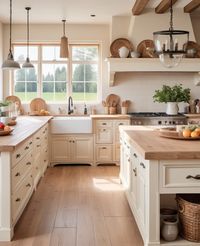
<point>123,52</point>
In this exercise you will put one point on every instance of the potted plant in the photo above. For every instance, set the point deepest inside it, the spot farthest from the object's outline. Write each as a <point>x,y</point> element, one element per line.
<point>172,95</point>
<point>4,106</point>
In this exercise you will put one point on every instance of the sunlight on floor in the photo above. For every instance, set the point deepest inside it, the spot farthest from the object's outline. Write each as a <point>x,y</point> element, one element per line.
<point>108,184</point>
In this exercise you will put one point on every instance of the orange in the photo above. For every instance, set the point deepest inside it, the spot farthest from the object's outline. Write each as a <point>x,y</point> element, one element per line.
<point>195,134</point>
<point>197,129</point>
<point>186,133</point>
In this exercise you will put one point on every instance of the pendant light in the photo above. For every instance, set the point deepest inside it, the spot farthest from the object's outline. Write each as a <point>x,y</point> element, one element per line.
<point>27,63</point>
<point>171,44</point>
<point>64,49</point>
<point>10,63</point>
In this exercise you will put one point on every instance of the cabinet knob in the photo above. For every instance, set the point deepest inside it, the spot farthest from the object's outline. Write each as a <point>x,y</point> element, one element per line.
<point>28,185</point>
<point>30,142</point>
<point>18,156</point>
<point>28,163</point>
<point>129,160</point>
<point>37,137</point>
<point>135,171</point>
<point>193,177</point>
<point>38,145</point>
<point>142,165</point>
<point>104,148</point>
<point>18,200</point>
<point>135,155</point>
<point>26,148</point>
<point>17,174</point>
<point>121,124</point>
<point>104,124</point>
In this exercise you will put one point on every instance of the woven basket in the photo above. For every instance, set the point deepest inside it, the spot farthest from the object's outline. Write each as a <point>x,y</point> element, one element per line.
<point>189,216</point>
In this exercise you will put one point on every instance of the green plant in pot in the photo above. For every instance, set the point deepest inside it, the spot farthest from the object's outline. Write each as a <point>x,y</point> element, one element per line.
<point>172,95</point>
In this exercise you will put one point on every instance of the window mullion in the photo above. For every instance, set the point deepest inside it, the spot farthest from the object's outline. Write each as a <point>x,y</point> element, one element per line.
<point>40,71</point>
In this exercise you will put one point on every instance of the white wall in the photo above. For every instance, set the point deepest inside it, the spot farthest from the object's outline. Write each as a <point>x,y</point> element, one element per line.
<point>1,60</point>
<point>137,87</point>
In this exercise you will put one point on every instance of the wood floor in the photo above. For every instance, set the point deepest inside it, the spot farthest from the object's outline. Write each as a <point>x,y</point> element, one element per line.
<point>77,206</point>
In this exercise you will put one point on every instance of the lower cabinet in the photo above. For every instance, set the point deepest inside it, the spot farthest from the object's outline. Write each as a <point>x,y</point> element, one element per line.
<point>72,149</point>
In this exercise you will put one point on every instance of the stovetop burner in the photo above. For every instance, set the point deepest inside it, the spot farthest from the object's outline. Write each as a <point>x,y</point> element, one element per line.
<point>153,114</point>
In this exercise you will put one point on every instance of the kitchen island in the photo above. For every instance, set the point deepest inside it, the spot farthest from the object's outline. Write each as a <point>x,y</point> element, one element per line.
<point>153,169</point>
<point>23,160</point>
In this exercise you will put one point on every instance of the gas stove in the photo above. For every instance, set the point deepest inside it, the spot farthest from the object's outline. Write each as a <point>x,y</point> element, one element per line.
<point>157,118</point>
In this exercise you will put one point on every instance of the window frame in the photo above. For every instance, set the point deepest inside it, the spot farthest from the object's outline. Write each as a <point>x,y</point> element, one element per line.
<point>69,63</point>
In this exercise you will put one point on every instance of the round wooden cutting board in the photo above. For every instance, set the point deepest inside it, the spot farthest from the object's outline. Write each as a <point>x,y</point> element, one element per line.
<point>37,104</point>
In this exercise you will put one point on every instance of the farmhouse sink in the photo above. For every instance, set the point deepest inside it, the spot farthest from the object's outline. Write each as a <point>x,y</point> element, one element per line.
<point>71,124</point>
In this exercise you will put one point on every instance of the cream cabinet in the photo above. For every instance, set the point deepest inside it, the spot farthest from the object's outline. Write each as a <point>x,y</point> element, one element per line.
<point>107,146</point>
<point>72,149</point>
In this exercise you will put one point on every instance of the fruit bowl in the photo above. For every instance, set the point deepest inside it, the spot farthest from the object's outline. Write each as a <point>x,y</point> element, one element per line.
<point>7,132</point>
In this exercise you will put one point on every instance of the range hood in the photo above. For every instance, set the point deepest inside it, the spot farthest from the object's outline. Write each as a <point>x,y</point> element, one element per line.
<point>139,28</point>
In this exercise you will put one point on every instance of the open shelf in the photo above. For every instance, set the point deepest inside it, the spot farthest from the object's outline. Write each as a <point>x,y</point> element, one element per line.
<point>180,241</point>
<point>148,65</point>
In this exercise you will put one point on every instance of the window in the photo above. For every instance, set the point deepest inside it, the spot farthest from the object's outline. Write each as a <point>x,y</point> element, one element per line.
<point>54,79</point>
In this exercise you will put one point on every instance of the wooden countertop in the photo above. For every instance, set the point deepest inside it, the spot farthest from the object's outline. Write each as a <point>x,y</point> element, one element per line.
<point>192,115</point>
<point>153,147</point>
<point>110,116</point>
<point>25,127</point>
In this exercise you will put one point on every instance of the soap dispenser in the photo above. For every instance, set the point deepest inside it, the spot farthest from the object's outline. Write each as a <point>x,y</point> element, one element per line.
<point>85,109</point>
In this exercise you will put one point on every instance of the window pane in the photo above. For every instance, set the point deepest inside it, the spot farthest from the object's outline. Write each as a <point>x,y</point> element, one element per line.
<point>78,91</point>
<point>84,72</point>
<point>51,53</point>
<point>85,53</point>
<point>20,53</point>
<point>48,72</point>
<point>60,73</point>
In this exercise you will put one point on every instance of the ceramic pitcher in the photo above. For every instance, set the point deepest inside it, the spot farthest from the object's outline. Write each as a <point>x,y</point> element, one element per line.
<point>123,52</point>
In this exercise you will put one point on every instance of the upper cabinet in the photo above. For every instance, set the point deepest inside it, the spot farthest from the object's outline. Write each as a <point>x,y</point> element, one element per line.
<point>148,65</point>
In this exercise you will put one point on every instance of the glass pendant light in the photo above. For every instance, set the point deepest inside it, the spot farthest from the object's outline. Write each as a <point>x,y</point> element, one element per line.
<point>27,63</point>
<point>64,50</point>
<point>171,44</point>
<point>10,63</point>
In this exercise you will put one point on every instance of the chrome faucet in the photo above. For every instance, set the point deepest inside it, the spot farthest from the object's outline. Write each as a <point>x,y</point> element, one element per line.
<point>70,105</point>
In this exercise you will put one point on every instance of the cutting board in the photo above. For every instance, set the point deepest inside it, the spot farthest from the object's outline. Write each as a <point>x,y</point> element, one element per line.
<point>37,104</point>
<point>112,100</point>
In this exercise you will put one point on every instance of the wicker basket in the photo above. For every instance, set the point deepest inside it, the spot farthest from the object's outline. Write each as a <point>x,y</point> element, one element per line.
<point>189,216</point>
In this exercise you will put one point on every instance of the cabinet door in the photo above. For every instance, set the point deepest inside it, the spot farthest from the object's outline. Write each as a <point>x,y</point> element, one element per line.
<point>134,171</point>
<point>82,149</point>
<point>61,149</point>
<point>116,127</point>
<point>104,153</point>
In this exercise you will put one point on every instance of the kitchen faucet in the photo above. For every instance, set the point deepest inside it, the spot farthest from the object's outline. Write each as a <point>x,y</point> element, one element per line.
<point>70,105</point>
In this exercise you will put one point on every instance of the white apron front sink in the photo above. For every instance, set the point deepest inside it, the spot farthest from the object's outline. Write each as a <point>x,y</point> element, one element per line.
<point>67,124</point>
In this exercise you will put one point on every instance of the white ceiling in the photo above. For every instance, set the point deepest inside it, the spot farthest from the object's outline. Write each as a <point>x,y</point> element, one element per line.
<point>74,11</point>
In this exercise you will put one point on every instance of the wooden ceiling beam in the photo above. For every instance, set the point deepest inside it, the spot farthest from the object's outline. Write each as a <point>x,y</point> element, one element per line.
<point>164,6</point>
<point>194,4</point>
<point>139,6</point>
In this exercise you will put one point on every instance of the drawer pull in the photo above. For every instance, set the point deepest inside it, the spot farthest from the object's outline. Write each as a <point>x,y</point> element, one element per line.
<point>104,124</point>
<point>30,142</point>
<point>17,174</point>
<point>26,148</point>
<point>135,171</point>
<point>104,130</point>
<point>135,155</point>
<point>73,141</point>
<point>104,148</point>
<point>28,163</point>
<point>43,132</point>
<point>38,145</point>
<point>193,177</point>
<point>121,124</point>
<point>37,137</point>
<point>46,151</point>
<point>28,185</point>
<point>18,200</point>
<point>18,156</point>
<point>45,160</point>
<point>129,160</point>
<point>142,165</point>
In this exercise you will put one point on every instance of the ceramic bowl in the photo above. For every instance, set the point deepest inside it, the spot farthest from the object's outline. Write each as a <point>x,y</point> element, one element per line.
<point>135,54</point>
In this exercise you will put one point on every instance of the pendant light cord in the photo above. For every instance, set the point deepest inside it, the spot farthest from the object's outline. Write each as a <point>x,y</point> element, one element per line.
<point>171,17</point>
<point>28,8</point>
<point>10,51</point>
<point>64,26</point>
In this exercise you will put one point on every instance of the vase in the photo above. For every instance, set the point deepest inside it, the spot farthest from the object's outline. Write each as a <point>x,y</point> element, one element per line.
<point>123,52</point>
<point>169,229</point>
<point>172,108</point>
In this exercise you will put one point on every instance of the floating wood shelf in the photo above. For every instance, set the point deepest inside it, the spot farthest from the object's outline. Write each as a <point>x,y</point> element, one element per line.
<point>148,65</point>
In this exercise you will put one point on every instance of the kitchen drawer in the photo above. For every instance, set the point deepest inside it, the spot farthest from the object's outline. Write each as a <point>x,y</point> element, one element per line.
<point>21,196</point>
<point>21,169</point>
<point>104,153</point>
<point>21,151</point>
<point>180,174</point>
<point>104,123</point>
<point>104,135</point>
<point>117,124</point>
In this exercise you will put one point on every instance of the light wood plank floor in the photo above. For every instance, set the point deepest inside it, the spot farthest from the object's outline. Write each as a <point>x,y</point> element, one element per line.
<point>77,206</point>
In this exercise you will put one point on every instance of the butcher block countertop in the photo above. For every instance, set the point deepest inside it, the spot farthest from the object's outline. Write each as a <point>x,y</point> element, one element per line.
<point>110,116</point>
<point>25,127</point>
<point>153,147</point>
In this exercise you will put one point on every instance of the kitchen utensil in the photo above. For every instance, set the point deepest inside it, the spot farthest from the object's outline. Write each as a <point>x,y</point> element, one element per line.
<point>112,98</point>
<point>117,44</point>
<point>112,110</point>
<point>123,52</point>
<point>37,105</point>
<point>146,49</point>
